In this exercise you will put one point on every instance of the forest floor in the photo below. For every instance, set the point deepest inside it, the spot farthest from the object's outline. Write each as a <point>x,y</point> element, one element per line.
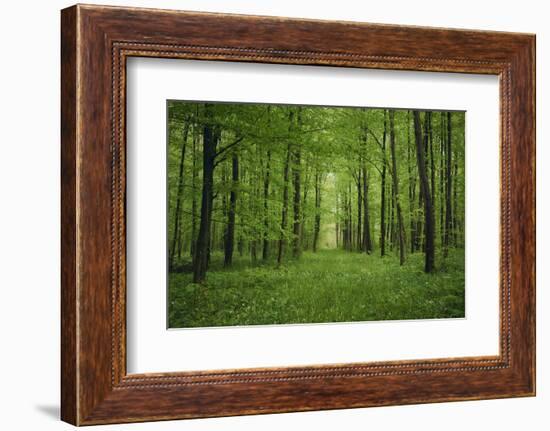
<point>327,286</point>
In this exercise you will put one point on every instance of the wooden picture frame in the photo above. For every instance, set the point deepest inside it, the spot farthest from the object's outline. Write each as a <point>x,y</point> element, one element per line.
<point>95,43</point>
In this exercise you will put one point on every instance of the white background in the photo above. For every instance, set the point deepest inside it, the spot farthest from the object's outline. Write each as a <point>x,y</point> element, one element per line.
<point>151,348</point>
<point>29,219</point>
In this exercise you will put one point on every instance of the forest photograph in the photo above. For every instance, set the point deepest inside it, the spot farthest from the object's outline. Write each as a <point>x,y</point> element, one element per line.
<point>289,214</point>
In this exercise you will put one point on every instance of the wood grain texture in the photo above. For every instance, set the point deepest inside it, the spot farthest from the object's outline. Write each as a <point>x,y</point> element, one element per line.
<point>69,397</point>
<point>96,41</point>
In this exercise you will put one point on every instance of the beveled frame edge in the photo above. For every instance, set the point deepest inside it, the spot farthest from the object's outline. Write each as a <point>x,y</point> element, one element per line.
<point>96,41</point>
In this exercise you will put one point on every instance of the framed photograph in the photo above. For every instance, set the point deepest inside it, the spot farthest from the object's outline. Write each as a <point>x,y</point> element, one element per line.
<point>266,215</point>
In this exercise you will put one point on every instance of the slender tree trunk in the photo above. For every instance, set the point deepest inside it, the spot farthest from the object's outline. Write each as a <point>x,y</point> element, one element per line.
<point>213,224</point>
<point>455,203</point>
<point>177,216</point>
<point>428,208</point>
<point>180,245</point>
<point>397,203</point>
<point>389,207</point>
<point>254,184</point>
<point>345,221</point>
<point>350,214</point>
<point>253,250</point>
<point>383,193</point>
<point>359,209</point>
<point>201,257</point>
<point>448,189</point>
<point>442,143</point>
<point>265,246</point>
<point>337,227</point>
<point>230,232</point>
<point>194,194</point>
<point>296,172</point>
<point>420,222</point>
<point>225,207</point>
<point>317,223</point>
<point>240,243</point>
<point>432,162</point>
<point>412,187</point>
<point>350,222</point>
<point>296,182</point>
<point>367,241</point>
<point>305,189</point>
<point>284,215</point>
<point>391,220</point>
<point>345,236</point>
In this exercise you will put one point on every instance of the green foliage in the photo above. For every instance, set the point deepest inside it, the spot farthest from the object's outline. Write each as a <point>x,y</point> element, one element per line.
<point>340,155</point>
<point>328,286</point>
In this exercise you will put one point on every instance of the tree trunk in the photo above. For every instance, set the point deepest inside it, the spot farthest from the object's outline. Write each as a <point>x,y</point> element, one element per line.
<point>317,223</point>
<point>432,163</point>
<point>284,215</point>
<point>350,220</point>
<point>337,227</point>
<point>200,260</point>
<point>412,187</point>
<point>194,194</point>
<point>296,182</point>
<point>305,188</point>
<point>253,250</point>
<point>455,203</point>
<point>345,221</point>
<point>442,144</point>
<point>367,241</point>
<point>397,203</point>
<point>254,198</point>
<point>225,208</point>
<point>359,184</point>
<point>383,193</point>
<point>212,245</point>
<point>448,189</point>
<point>230,232</point>
<point>428,208</point>
<point>344,201</point>
<point>177,216</point>
<point>265,246</point>
<point>391,220</point>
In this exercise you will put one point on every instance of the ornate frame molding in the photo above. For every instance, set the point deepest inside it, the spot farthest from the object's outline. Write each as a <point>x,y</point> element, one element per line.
<point>96,41</point>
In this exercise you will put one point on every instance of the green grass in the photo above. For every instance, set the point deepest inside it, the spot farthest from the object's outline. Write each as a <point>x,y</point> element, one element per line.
<point>327,286</point>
